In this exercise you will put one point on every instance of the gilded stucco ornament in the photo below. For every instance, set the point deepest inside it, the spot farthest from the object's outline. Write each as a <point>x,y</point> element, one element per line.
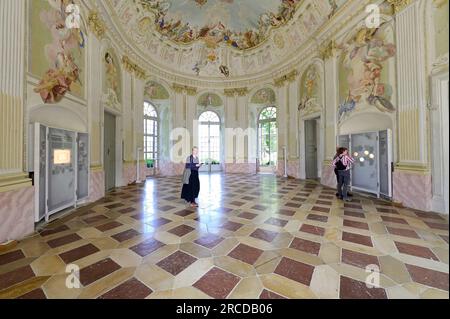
<point>96,24</point>
<point>133,68</point>
<point>399,5</point>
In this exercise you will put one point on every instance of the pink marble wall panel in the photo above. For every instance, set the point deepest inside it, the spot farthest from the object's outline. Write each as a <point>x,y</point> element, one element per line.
<point>171,169</point>
<point>293,168</point>
<point>16,214</point>
<point>240,168</point>
<point>96,186</point>
<point>412,190</point>
<point>128,173</point>
<point>328,177</point>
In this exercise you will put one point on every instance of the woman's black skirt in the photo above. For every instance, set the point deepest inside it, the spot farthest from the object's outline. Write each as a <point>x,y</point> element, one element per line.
<point>190,191</point>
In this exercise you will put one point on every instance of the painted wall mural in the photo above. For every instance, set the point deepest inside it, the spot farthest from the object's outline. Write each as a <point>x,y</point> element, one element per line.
<point>56,52</point>
<point>209,99</point>
<point>310,91</point>
<point>112,82</point>
<point>155,91</point>
<point>240,24</point>
<point>265,96</point>
<point>364,71</point>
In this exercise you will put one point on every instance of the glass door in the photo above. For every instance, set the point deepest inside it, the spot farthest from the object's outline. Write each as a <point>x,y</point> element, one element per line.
<point>365,173</point>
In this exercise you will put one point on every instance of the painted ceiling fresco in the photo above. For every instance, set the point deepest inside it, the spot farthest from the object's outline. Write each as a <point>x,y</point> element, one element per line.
<point>242,24</point>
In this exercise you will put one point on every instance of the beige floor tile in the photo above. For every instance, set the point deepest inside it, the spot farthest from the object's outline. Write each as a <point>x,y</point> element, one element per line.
<point>106,283</point>
<point>125,257</point>
<point>247,288</point>
<point>154,277</point>
<point>48,265</point>
<point>234,266</point>
<point>325,282</point>
<point>286,287</point>
<point>394,269</point>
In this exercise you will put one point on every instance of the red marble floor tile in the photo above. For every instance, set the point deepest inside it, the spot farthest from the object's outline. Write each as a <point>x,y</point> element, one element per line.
<point>125,235</point>
<point>415,250</point>
<point>357,239</point>
<point>266,294</point>
<point>48,232</point>
<point>237,203</point>
<point>64,240</point>
<point>184,212</point>
<point>16,276</point>
<point>354,289</point>
<point>355,224</point>
<point>96,271</point>
<point>177,262</point>
<point>246,253</point>
<point>357,206</point>
<point>209,241</point>
<point>276,222</point>
<point>181,230</point>
<point>354,214</point>
<point>34,294</point>
<point>217,283</point>
<point>147,247</point>
<point>306,246</point>
<point>318,218</point>
<point>259,207</point>
<point>293,205</point>
<point>323,202</point>
<point>402,232</point>
<point>310,229</point>
<point>387,210</point>
<point>358,259</point>
<point>295,270</point>
<point>116,205</point>
<point>78,253</point>
<point>437,225</point>
<point>248,198</point>
<point>263,234</point>
<point>320,209</point>
<point>428,215</point>
<point>394,220</point>
<point>11,256</point>
<point>109,226</point>
<point>127,210</point>
<point>94,219</point>
<point>299,199</point>
<point>166,208</point>
<point>428,277</point>
<point>130,289</point>
<point>247,215</point>
<point>286,212</point>
<point>444,238</point>
<point>231,226</point>
<point>326,197</point>
<point>158,222</point>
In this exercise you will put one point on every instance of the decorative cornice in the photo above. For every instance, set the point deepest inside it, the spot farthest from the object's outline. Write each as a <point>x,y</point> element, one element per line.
<point>399,5</point>
<point>289,77</point>
<point>189,90</point>
<point>96,168</point>
<point>412,168</point>
<point>96,24</point>
<point>236,91</point>
<point>133,68</point>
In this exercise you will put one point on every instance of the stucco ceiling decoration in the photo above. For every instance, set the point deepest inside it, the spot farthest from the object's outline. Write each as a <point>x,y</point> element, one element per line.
<point>217,39</point>
<point>239,24</point>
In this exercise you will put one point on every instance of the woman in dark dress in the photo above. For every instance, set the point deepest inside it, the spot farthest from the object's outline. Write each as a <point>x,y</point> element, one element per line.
<point>191,183</point>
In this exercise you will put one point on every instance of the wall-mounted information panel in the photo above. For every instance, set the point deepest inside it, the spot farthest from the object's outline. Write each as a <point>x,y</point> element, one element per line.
<point>60,166</point>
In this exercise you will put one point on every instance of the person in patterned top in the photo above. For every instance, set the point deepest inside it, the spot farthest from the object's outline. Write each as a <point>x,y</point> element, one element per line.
<point>342,164</point>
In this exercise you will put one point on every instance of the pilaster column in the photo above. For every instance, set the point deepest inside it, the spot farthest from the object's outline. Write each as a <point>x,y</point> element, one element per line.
<point>282,120</point>
<point>411,178</point>
<point>242,122</point>
<point>230,124</point>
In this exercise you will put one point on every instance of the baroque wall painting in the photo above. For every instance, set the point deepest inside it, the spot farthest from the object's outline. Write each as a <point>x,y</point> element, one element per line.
<point>57,53</point>
<point>265,96</point>
<point>364,71</point>
<point>209,99</point>
<point>310,91</point>
<point>155,91</point>
<point>111,80</point>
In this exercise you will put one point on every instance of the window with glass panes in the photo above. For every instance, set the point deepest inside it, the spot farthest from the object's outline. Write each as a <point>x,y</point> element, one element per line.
<point>150,133</point>
<point>267,136</point>
<point>209,138</point>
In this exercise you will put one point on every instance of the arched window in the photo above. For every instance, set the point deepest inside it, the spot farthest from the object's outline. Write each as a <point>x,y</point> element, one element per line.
<point>267,136</point>
<point>209,135</point>
<point>150,134</point>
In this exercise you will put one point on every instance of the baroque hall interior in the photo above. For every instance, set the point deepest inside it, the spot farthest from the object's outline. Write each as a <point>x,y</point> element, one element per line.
<point>319,138</point>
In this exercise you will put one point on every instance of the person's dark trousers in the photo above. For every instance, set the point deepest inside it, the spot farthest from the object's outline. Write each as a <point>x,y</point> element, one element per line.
<point>344,182</point>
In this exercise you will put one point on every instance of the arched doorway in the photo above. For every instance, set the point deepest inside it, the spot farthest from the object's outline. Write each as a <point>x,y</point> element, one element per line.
<point>268,139</point>
<point>209,140</point>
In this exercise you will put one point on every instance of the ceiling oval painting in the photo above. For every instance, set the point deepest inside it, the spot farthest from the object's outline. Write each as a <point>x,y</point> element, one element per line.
<point>242,24</point>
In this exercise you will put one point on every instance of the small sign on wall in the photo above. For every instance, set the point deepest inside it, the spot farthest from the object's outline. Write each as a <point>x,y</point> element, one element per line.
<point>61,156</point>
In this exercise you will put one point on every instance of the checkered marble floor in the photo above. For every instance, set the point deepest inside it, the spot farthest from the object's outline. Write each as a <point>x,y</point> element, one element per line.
<point>253,236</point>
